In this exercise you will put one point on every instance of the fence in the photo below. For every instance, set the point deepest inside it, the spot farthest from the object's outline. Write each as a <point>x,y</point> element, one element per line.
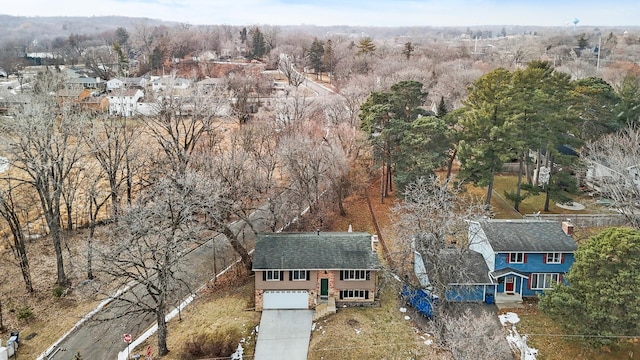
<point>582,220</point>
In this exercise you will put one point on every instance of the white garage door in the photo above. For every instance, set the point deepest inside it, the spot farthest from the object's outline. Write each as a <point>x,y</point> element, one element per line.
<point>291,299</point>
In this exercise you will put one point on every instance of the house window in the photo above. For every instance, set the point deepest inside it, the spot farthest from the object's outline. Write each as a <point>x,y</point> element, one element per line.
<point>354,294</point>
<point>354,275</point>
<point>272,275</point>
<point>544,281</point>
<point>516,258</point>
<point>299,275</point>
<point>554,258</point>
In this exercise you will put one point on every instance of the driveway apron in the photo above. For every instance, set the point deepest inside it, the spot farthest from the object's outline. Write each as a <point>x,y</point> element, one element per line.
<point>284,334</point>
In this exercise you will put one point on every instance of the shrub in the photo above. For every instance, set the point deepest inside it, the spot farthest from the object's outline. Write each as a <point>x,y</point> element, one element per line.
<point>25,313</point>
<point>222,343</point>
<point>58,291</point>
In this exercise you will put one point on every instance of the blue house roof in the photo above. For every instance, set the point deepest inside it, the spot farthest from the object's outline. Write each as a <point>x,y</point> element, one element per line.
<point>527,236</point>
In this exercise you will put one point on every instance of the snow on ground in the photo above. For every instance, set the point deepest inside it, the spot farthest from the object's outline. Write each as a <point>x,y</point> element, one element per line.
<point>407,317</point>
<point>514,338</point>
<point>403,310</point>
<point>238,354</point>
<point>509,317</point>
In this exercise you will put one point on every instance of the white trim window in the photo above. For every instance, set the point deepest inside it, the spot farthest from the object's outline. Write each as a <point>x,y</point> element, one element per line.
<point>273,275</point>
<point>299,275</point>
<point>516,258</point>
<point>354,275</point>
<point>554,258</point>
<point>544,281</point>
<point>354,294</point>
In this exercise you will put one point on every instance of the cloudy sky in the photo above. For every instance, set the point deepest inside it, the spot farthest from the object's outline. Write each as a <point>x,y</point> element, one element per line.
<point>346,12</point>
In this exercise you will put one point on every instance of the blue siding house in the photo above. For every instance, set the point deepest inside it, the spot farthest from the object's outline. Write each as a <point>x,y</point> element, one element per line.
<point>523,257</point>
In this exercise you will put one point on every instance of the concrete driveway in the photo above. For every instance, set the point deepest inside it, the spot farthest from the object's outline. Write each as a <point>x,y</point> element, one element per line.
<point>284,332</point>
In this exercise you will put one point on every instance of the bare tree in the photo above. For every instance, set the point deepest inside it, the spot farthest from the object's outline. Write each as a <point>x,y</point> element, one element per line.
<point>612,163</point>
<point>475,334</point>
<point>183,123</point>
<point>293,108</point>
<point>43,143</point>
<point>286,67</point>
<point>111,143</point>
<point>431,220</point>
<point>10,212</point>
<point>305,164</point>
<point>149,243</point>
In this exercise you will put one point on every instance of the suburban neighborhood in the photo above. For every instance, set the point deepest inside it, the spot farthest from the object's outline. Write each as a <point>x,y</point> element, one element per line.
<point>180,191</point>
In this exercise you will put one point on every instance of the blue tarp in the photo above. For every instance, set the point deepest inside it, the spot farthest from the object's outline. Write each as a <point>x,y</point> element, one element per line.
<point>419,299</point>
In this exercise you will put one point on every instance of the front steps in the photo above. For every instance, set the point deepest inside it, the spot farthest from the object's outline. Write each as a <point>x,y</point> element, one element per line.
<point>325,308</point>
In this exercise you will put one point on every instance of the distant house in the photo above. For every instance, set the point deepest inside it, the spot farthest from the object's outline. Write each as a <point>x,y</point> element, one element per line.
<point>95,103</point>
<point>126,82</point>
<point>125,102</point>
<point>72,96</point>
<point>599,174</point>
<point>523,257</point>
<point>170,83</point>
<point>303,270</point>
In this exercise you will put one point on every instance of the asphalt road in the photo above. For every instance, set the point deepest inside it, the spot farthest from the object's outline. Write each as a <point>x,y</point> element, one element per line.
<point>98,340</point>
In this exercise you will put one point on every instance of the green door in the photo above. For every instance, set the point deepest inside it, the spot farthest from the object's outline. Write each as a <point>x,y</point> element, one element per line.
<point>324,287</point>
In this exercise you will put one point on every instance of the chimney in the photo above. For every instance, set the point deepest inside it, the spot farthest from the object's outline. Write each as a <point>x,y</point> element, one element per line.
<point>374,243</point>
<point>567,227</point>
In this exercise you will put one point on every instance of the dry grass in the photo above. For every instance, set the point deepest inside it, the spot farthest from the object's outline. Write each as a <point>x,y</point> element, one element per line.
<point>369,333</point>
<point>225,310</point>
<point>534,322</point>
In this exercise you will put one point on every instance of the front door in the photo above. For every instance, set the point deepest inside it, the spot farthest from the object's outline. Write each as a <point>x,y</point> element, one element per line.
<point>508,284</point>
<point>324,288</point>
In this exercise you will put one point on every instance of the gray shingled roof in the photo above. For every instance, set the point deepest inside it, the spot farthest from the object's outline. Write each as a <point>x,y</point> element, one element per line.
<point>530,236</point>
<point>310,251</point>
<point>471,267</point>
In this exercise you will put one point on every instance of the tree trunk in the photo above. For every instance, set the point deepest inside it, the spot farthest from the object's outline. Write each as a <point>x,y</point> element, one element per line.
<point>56,237</point>
<point>238,247</point>
<point>382,183</point>
<point>547,197</point>
<point>162,331</point>
<point>343,212</point>
<point>538,165</point>
<point>1,321</point>
<point>69,209</point>
<point>487,203</point>
<point>451,160</point>
<point>19,244</point>
<point>389,178</point>
<point>520,168</point>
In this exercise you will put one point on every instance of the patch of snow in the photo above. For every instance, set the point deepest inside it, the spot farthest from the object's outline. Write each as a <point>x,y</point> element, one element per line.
<point>238,354</point>
<point>4,164</point>
<point>530,353</point>
<point>509,317</point>
<point>407,317</point>
<point>358,331</point>
<point>428,342</point>
<point>403,310</point>
<point>313,326</point>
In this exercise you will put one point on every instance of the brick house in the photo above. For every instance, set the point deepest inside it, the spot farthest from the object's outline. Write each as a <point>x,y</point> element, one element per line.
<point>303,270</point>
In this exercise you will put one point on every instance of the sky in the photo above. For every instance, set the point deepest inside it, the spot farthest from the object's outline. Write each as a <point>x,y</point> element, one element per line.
<point>347,12</point>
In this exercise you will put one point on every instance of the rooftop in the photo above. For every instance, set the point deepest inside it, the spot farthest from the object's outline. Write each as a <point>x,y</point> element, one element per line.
<point>530,236</point>
<point>314,251</point>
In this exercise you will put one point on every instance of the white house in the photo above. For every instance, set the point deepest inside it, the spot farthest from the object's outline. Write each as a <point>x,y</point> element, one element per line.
<point>126,82</point>
<point>125,102</point>
<point>170,83</point>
